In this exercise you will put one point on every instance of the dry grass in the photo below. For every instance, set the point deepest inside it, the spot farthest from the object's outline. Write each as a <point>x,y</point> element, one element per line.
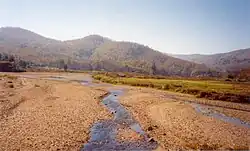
<point>11,77</point>
<point>211,89</point>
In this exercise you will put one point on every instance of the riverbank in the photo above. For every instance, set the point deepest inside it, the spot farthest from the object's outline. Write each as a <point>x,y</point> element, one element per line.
<point>175,124</point>
<point>38,114</point>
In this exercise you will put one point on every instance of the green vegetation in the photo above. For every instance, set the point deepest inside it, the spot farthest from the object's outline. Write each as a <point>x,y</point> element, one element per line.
<point>211,89</point>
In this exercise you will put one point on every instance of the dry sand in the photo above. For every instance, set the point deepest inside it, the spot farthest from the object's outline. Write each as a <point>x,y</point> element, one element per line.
<point>47,115</point>
<point>126,134</point>
<point>176,125</point>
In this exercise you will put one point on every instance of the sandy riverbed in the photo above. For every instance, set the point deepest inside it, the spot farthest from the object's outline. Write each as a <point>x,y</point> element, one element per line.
<point>176,125</point>
<point>39,114</point>
<point>47,115</point>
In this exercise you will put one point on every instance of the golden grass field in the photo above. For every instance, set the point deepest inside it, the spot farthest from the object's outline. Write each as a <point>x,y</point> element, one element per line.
<point>211,89</point>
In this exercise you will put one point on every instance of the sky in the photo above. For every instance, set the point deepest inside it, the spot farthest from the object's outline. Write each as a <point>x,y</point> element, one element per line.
<point>170,26</point>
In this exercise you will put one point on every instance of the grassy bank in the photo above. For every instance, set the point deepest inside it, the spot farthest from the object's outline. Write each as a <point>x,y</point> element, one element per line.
<point>210,89</point>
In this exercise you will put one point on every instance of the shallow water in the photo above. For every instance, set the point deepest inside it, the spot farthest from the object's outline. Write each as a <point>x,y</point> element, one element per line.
<point>28,76</point>
<point>58,78</point>
<point>205,110</point>
<point>103,133</point>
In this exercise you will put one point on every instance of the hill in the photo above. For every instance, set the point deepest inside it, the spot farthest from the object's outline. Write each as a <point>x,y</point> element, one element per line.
<point>133,56</point>
<point>31,46</point>
<point>94,52</point>
<point>85,47</point>
<point>106,54</point>
<point>231,61</point>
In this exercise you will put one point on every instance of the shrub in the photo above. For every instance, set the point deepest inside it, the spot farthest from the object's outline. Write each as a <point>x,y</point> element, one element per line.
<point>202,94</point>
<point>151,85</point>
<point>229,80</point>
<point>193,91</point>
<point>178,89</point>
<point>230,76</point>
<point>98,78</point>
<point>177,85</point>
<point>165,87</point>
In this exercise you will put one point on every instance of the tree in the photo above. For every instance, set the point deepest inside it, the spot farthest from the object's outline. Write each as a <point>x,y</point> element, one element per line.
<point>90,67</point>
<point>230,76</point>
<point>23,64</point>
<point>11,58</point>
<point>5,57</point>
<point>61,63</point>
<point>127,68</point>
<point>69,62</point>
<point>153,68</point>
<point>65,67</point>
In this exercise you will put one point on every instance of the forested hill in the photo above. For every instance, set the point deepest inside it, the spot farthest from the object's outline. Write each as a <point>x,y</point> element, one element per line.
<point>231,61</point>
<point>95,52</point>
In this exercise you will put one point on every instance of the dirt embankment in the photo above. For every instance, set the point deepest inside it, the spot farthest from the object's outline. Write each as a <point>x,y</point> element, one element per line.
<point>176,125</point>
<point>47,115</point>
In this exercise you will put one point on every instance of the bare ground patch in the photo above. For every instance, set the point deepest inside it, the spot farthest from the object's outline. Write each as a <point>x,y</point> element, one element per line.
<point>175,124</point>
<point>53,116</point>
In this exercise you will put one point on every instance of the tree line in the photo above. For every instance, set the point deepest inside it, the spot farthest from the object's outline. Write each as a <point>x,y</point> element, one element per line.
<point>15,63</point>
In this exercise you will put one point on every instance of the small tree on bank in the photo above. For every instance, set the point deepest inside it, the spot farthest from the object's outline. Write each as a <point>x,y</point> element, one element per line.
<point>65,67</point>
<point>153,68</point>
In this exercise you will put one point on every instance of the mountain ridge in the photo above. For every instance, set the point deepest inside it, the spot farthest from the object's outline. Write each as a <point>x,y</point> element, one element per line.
<point>95,52</point>
<point>230,61</point>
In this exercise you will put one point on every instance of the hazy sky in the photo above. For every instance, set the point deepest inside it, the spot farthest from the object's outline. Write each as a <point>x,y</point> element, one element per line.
<point>172,26</point>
